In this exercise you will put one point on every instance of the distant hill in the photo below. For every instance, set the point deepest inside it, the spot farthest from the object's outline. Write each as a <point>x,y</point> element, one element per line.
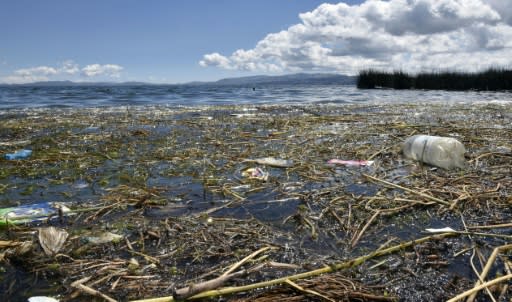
<point>289,79</point>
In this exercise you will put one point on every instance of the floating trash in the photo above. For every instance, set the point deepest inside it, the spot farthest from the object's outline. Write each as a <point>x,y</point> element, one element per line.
<point>442,152</point>
<point>256,173</point>
<point>273,162</point>
<point>441,230</point>
<point>80,184</point>
<point>31,213</point>
<point>42,299</point>
<point>351,162</point>
<point>104,237</point>
<point>52,239</point>
<point>20,154</point>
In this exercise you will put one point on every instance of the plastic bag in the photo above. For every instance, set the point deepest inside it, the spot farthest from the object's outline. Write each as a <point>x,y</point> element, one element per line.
<point>443,152</point>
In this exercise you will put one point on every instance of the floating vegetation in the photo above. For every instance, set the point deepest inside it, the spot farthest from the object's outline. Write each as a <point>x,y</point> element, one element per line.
<point>279,204</point>
<point>490,80</point>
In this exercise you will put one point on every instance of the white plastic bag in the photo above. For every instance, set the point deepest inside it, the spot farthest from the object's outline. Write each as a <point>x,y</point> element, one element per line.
<point>443,152</point>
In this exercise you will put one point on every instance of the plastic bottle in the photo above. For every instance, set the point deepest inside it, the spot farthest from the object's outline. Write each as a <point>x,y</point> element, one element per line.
<point>443,152</point>
<point>20,154</point>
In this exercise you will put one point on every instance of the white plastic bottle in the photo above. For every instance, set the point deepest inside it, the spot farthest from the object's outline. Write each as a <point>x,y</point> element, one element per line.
<point>443,152</point>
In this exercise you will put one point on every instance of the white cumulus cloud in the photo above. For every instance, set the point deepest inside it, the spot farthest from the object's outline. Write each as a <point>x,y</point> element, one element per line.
<point>69,67</point>
<point>36,71</point>
<point>411,35</point>
<point>27,75</point>
<point>67,70</point>
<point>110,70</point>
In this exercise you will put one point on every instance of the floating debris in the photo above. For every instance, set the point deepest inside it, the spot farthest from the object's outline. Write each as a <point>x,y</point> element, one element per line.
<point>363,163</point>
<point>103,238</point>
<point>20,154</point>
<point>31,212</point>
<point>170,207</point>
<point>52,239</point>
<point>273,162</point>
<point>441,230</point>
<point>443,152</point>
<point>256,173</point>
<point>15,143</point>
<point>42,299</point>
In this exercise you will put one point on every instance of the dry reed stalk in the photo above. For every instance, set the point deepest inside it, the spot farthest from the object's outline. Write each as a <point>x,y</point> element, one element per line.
<point>358,235</point>
<point>91,291</point>
<point>494,226</point>
<point>487,267</point>
<point>244,260</point>
<point>320,271</point>
<point>443,202</point>
<point>307,291</point>
<point>480,287</point>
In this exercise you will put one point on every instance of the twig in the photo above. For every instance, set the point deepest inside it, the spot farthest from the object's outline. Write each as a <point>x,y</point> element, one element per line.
<point>307,291</point>
<point>241,262</point>
<point>495,226</point>
<point>86,289</point>
<point>485,234</point>
<point>487,267</point>
<point>379,152</point>
<point>509,271</point>
<point>443,202</point>
<point>193,289</point>
<point>480,287</point>
<point>360,233</point>
<point>147,257</point>
<point>326,269</point>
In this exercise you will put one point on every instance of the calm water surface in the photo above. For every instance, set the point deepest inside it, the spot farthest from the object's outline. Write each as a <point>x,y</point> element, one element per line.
<point>192,95</point>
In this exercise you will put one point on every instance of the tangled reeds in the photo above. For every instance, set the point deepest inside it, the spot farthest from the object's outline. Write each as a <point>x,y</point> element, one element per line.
<point>164,206</point>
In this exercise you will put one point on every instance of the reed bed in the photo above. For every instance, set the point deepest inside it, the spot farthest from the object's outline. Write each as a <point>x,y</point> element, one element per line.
<point>171,189</point>
<point>494,79</point>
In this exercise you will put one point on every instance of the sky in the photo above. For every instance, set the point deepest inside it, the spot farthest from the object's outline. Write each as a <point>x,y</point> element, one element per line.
<point>172,41</point>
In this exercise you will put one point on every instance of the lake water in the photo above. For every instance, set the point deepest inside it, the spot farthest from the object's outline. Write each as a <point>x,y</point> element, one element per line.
<point>17,97</point>
<point>183,166</point>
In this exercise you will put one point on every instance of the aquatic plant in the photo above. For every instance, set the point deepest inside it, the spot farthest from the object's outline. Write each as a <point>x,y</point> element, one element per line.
<point>493,79</point>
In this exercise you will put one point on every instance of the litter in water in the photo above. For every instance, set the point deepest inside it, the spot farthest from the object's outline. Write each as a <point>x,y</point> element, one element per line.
<point>31,213</point>
<point>52,239</point>
<point>256,173</point>
<point>441,230</point>
<point>20,154</point>
<point>42,299</point>
<point>362,163</point>
<point>442,152</point>
<point>105,237</point>
<point>273,162</point>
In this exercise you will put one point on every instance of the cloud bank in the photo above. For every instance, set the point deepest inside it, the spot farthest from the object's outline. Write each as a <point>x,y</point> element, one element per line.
<point>412,35</point>
<point>66,69</point>
<point>110,70</point>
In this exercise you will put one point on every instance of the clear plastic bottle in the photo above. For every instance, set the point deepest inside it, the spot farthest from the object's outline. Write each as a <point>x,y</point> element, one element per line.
<point>443,152</point>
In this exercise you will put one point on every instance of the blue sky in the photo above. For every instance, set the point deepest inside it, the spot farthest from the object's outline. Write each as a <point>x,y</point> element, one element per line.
<point>180,41</point>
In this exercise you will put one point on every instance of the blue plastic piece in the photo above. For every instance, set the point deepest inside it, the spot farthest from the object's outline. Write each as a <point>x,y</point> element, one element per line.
<point>21,154</point>
<point>28,213</point>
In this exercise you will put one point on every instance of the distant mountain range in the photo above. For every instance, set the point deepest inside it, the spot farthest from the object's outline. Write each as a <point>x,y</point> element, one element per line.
<point>290,79</point>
